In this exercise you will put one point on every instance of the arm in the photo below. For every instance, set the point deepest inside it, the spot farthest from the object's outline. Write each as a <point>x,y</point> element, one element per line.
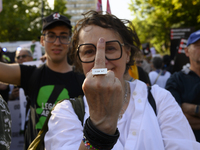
<point>193,118</point>
<point>3,86</point>
<point>10,73</point>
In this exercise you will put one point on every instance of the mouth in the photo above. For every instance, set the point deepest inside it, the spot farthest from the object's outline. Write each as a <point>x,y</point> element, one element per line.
<point>57,51</point>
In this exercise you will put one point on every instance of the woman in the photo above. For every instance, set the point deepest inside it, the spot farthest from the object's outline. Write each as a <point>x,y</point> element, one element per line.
<point>158,75</point>
<point>117,113</point>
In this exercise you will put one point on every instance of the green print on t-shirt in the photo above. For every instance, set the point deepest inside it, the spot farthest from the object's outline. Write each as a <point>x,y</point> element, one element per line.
<point>42,101</point>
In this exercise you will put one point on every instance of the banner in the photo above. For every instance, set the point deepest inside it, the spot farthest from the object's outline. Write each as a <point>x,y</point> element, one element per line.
<point>99,5</point>
<point>17,137</point>
<point>1,5</point>
<point>108,7</point>
<point>182,46</point>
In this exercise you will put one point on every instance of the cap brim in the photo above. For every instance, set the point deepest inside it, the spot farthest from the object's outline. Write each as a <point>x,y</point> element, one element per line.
<point>48,24</point>
<point>195,40</point>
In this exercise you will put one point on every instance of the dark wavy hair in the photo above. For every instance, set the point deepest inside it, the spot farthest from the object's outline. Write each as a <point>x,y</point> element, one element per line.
<point>108,21</point>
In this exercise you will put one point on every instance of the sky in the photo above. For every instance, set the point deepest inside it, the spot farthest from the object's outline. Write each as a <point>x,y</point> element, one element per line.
<point>119,8</point>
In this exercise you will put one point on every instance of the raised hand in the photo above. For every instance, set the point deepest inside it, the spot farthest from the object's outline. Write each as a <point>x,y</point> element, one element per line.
<point>104,94</point>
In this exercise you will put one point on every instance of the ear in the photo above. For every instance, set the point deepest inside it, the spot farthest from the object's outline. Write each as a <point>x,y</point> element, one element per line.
<point>186,51</point>
<point>128,52</point>
<point>42,40</point>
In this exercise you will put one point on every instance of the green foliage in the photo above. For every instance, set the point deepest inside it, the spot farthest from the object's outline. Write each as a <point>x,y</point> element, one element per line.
<point>21,20</point>
<point>154,19</point>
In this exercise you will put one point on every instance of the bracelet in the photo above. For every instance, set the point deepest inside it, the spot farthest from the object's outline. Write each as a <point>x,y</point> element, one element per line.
<point>197,110</point>
<point>97,138</point>
<point>87,144</point>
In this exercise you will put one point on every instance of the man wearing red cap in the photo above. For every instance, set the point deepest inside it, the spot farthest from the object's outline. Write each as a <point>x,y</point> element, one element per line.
<point>53,81</point>
<point>185,84</point>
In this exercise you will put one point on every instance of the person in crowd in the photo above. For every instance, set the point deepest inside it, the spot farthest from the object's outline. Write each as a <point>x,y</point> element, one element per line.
<point>51,82</point>
<point>185,84</point>
<point>141,62</point>
<point>117,113</point>
<point>158,75</point>
<point>139,58</point>
<point>4,88</point>
<point>146,65</point>
<point>23,55</point>
<point>167,63</point>
<point>5,125</point>
<point>136,71</point>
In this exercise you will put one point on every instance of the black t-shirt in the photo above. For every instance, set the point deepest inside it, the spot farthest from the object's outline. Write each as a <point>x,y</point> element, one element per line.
<point>44,89</point>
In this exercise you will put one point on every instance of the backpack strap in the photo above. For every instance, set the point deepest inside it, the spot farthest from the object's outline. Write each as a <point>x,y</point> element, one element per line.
<point>79,108</point>
<point>157,77</point>
<point>151,100</point>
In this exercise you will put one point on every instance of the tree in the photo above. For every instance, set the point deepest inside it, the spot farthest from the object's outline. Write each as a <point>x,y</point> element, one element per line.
<point>22,19</point>
<point>154,18</point>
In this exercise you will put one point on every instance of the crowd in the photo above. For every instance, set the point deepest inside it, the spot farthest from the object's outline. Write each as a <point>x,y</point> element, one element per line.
<point>127,102</point>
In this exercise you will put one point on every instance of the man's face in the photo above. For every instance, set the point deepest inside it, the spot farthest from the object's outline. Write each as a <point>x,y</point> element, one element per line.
<point>22,56</point>
<point>56,51</point>
<point>193,52</point>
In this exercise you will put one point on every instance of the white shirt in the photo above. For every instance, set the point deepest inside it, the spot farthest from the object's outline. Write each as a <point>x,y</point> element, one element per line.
<point>162,79</point>
<point>140,128</point>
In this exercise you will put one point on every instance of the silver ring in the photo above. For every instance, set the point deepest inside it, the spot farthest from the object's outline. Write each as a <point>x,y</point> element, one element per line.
<point>99,71</point>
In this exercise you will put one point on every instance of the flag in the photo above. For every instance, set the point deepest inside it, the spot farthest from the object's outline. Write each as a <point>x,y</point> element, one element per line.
<point>1,5</point>
<point>108,7</point>
<point>99,5</point>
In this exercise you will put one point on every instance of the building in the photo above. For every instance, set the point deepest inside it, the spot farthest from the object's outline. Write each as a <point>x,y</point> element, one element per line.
<point>75,8</point>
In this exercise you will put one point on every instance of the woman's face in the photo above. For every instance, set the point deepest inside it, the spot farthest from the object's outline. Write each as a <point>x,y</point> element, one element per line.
<point>91,34</point>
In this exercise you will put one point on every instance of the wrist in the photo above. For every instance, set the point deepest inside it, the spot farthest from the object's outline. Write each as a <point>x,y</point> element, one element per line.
<point>97,138</point>
<point>106,125</point>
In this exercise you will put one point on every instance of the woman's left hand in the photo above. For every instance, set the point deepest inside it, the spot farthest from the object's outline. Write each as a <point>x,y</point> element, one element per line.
<point>104,94</point>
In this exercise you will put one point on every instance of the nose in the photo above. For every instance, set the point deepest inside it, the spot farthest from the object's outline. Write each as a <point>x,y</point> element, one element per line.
<point>57,41</point>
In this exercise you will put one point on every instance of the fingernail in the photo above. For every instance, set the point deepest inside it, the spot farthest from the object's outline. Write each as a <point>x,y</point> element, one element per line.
<point>101,40</point>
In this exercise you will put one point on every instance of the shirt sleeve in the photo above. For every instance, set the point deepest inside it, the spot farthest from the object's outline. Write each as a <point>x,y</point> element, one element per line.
<point>26,72</point>
<point>65,129</point>
<point>175,129</point>
<point>173,87</point>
